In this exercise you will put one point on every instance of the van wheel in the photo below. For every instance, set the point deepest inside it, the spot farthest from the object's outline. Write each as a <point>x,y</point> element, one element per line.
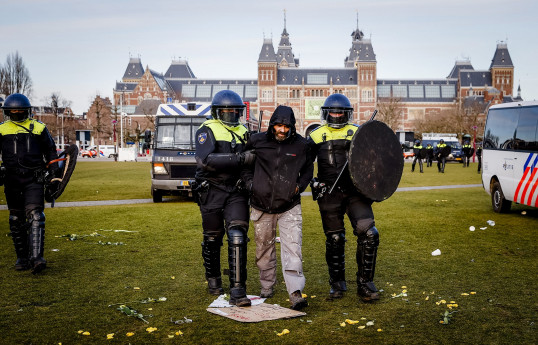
<point>499,203</point>
<point>157,196</point>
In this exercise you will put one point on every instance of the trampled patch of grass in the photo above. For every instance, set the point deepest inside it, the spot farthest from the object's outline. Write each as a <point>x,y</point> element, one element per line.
<point>162,258</point>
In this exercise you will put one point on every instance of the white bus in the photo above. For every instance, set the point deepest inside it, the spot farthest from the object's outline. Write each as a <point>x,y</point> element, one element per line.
<point>510,155</point>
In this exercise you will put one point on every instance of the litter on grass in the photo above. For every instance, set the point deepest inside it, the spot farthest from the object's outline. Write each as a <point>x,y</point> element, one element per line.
<point>491,223</point>
<point>180,321</point>
<point>472,228</point>
<point>436,252</point>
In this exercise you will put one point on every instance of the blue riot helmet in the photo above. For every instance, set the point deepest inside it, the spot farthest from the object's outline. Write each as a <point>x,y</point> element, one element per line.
<point>17,107</point>
<point>227,107</point>
<point>337,111</point>
<point>417,142</point>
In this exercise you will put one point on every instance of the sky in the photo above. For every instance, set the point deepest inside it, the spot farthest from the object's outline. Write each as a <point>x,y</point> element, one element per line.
<point>80,48</point>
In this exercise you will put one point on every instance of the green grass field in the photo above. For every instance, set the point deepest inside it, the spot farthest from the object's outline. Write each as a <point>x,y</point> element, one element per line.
<point>485,276</point>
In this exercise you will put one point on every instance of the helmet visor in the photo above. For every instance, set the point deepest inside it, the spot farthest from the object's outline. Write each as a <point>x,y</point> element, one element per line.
<point>230,116</point>
<point>336,117</point>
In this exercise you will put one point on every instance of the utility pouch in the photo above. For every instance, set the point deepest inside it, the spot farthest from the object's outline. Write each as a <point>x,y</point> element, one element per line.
<point>200,191</point>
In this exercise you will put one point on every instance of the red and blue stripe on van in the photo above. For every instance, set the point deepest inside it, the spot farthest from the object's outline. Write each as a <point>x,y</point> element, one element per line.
<point>528,179</point>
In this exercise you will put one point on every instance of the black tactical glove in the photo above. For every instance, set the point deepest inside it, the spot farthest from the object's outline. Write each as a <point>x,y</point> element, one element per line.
<point>247,158</point>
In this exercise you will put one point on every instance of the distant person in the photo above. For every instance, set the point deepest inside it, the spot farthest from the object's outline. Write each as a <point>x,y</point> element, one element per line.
<point>331,144</point>
<point>416,151</point>
<point>26,147</point>
<point>429,155</point>
<point>467,153</point>
<point>479,156</point>
<point>442,152</point>
<point>282,170</point>
<point>220,154</point>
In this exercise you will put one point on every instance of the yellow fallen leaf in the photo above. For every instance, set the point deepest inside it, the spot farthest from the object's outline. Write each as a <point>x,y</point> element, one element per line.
<point>305,295</point>
<point>129,334</point>
<point>151,329</point>
<point>110,336</point>
<point>427,298</point>
<point>136,288</point>
<point>179,333</point>
<point>404,291</point>
<point>80,332</point>
<point>363,318</point>
<point>86,333</point>
<point>284,331</point>
<point>361,327</point>
<point>473,293</point>
<point>313,296</point>
<point>170,336</point>
<point>465,294</point>
<point>379,330</point>
<point>404,287</point>
<point>441,321</point>
<point>172,277</point>
<point>351,322</point>
<point>150,308</point>
<point>343,324</point>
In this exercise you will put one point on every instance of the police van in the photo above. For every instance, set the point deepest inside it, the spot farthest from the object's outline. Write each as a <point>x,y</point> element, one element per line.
<point>173,163</point>
<point>450,139</point>
<point>510,155</point>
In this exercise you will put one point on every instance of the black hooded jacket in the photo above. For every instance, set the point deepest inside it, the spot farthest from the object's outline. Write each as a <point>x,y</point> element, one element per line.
<point>280,167</point>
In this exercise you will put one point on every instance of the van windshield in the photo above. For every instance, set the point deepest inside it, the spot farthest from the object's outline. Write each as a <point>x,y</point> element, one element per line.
<point>177,133</point>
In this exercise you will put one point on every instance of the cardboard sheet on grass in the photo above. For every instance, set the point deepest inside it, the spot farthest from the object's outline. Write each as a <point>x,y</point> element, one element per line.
<point>258,312</point>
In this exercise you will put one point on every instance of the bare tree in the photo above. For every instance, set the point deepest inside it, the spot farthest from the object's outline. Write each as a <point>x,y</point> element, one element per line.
<point>390,112</point>
<point>14,76</point>
<point>100,118</point>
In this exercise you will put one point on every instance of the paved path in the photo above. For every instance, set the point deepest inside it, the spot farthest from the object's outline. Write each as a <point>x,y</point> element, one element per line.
<point>145,201</point>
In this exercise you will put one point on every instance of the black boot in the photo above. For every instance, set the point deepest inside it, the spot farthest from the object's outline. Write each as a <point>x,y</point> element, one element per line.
<point>237,259</point>
<point>336,261</point>
<point>367,244</point>
<point>211,255</point>
<point>19,234</point>
<point>37,240</point>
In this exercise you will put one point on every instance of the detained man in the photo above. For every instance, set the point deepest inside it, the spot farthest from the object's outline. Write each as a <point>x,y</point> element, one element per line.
<point>282,170</point>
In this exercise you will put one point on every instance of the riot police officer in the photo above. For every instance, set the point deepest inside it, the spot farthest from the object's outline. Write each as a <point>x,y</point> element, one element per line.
<point>220,143</point>
<point>467,153</point>
<point>479,156</point>
<point>26,146</point>
<point>416,150</point>
<point>330,144</point>
<point>429,155</point>
<point>441,156</point>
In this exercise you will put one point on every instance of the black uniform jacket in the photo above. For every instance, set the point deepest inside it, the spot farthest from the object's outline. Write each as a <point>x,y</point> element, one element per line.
<point>280,167</point>
<point>217,153</point>
<point>331,147</point>
<point>26,145</point>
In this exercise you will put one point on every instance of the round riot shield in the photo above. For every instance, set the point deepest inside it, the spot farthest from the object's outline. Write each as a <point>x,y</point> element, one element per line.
<point>375,161</point>
<point>66,162</point>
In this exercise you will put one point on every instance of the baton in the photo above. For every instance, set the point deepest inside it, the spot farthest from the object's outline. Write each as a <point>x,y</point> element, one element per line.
<point>347,161</point>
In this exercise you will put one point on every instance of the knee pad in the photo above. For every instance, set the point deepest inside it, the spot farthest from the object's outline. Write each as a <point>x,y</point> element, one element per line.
<point>36,218</point>
<point>237,236</point>
<point>16,218</point>
<point>336,239</point>
<point>370,237</point>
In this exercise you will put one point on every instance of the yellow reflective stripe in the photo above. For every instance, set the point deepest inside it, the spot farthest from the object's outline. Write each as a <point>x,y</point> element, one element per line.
<point>9,127</point>
<point>222,133</point>
<point>332,133</point>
